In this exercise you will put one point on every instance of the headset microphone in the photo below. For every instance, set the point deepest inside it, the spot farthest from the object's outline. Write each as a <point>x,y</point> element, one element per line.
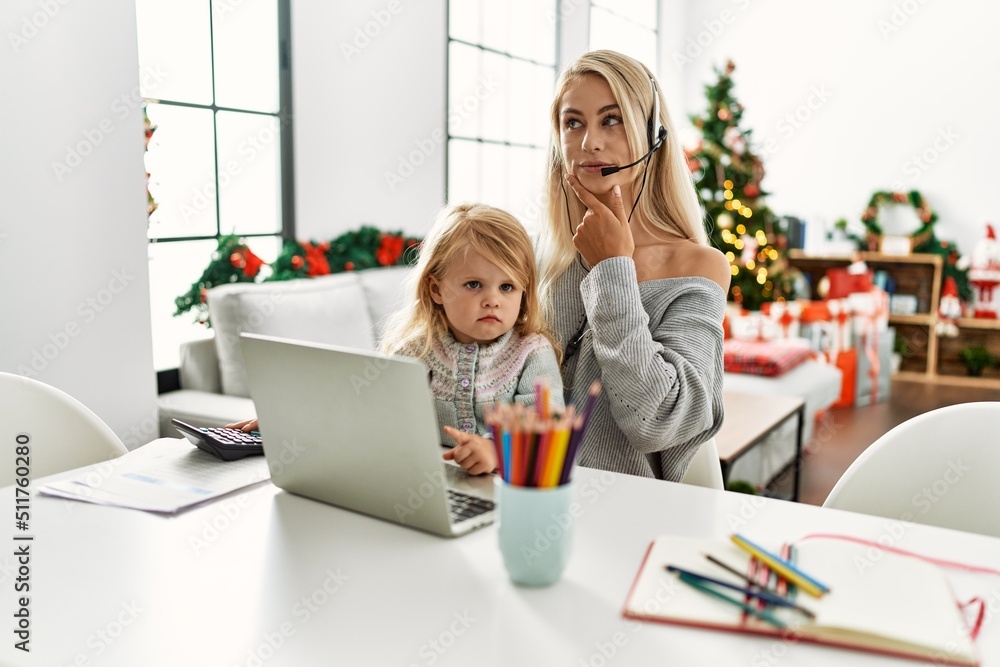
<point>607,171</point>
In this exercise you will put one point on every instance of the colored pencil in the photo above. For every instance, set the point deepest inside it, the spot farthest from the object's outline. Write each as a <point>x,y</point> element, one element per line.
<point>783,567</point>
<point>786,601</point>
<point>557,454</point>
<point>753,590</point>
<point>762,615</point>
<point>543,455</point>
<point>506,456</point>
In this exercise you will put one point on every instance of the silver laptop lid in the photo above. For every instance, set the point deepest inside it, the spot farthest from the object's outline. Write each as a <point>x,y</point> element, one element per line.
<point>350,428</point>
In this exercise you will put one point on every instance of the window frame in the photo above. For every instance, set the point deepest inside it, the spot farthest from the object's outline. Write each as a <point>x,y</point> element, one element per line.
<point>169,379</point>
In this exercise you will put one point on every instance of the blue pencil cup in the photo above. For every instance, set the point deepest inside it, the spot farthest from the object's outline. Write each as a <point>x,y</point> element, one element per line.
<point>536,531</point>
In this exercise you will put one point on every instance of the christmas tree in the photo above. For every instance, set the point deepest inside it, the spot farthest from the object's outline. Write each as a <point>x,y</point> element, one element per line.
<point>729,178</point>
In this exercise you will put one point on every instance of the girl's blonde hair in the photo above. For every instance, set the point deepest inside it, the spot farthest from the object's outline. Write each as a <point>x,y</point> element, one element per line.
<point>668,201</point>
<point>490,231</point>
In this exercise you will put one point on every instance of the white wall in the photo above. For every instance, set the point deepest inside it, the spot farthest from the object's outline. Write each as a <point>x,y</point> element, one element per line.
<point>890,82</point>
<point>369,100</point>
<point>74,288</point>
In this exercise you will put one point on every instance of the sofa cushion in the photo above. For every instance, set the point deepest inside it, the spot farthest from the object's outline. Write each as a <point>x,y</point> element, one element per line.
<point>202,409</point>
<point>385,290</point>
<point>328,309</point>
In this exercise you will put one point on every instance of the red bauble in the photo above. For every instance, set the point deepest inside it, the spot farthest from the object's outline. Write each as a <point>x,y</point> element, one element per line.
<point>297,262</point>
<point>348,266</point>
<point>751,190</point>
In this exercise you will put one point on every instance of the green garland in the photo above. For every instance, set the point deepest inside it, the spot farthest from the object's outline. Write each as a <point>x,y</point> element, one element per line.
<point>234,262</point>
<point>927,217</point>
<point>923,239</point>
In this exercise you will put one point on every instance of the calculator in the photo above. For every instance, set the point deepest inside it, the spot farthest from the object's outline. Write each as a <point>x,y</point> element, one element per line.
<point>229,444</point>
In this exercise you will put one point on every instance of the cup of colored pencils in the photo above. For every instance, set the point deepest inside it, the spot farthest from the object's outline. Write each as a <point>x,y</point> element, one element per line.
<point>537,451</point>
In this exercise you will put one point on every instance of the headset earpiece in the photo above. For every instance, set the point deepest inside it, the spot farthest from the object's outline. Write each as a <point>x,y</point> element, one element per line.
<point>652,133</point>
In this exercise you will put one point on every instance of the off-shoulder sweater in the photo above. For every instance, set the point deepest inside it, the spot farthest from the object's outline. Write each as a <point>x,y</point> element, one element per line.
<point>656,347</point>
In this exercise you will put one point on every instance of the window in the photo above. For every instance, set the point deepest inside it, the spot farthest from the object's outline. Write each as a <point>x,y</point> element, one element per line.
<point>220,156</point>
<point>626,26</point>
<point>501,76</point>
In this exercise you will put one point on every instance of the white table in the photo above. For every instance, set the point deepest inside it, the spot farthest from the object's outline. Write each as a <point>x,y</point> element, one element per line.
<point>268,578</point>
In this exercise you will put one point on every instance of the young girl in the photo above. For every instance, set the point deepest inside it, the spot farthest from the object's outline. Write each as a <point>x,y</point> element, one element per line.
<point>475,320</point>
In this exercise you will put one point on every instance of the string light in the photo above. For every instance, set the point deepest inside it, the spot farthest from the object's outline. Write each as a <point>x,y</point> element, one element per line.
<point>729,206</point>
<point>738,243</point>
<point>728,194</point>
<point>728,184</point>
<point>761,237</point>
<point>751,265</point>
<point>735,270</point>
<point>737,204</point>
<point>761,278</point>
<point>772,253</point>
<point>741,228</point>
<point>747,212</point>
<point>731,257</point>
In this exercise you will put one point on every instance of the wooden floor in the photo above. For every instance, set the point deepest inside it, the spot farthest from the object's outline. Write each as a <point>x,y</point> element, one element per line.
<point>843,433</point>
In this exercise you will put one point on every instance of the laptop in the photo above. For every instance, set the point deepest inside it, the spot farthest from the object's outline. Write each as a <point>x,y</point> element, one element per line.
<point>359,430</point>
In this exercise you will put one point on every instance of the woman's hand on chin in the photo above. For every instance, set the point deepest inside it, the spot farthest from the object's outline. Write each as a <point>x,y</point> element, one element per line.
<point>604,231</point>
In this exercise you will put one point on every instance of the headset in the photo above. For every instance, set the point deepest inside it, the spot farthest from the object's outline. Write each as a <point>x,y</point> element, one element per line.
<point>655,139</point>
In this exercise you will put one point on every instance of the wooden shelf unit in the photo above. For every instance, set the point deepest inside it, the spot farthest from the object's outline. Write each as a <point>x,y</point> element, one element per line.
<point>932,358</point>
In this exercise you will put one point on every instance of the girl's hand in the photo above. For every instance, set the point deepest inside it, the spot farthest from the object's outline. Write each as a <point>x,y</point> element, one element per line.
<point>474,453</point>
<point>604,232</point>
<point>246,425</point>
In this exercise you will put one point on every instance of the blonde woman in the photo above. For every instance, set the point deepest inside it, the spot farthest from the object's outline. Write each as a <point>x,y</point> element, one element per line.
<point>635,294</point>
<point>475,320</point>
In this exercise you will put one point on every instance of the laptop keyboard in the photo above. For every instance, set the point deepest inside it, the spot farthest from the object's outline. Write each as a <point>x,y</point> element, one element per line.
<point>463,506</point>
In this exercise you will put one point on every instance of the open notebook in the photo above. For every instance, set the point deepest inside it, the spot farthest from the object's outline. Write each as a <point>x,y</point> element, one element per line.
<point>896,606</point>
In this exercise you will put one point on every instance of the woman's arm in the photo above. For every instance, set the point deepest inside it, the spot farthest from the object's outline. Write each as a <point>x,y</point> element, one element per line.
<point>663,385</point>
<point>541,364</point>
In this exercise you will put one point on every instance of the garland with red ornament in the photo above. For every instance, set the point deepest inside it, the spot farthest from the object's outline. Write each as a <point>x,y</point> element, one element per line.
<point>234,262</point>
<point>923,239</point>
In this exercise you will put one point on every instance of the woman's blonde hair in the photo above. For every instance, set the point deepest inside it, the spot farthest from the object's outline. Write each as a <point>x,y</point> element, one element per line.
<point>668,201</point>
<point>459,228</point>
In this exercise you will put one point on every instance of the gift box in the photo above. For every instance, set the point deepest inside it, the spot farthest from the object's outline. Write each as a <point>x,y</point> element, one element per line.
<point>847,362</point>
<point>847,281</point>
<point>748,325</point>
<point>786,316</point>
<point>874,367</point>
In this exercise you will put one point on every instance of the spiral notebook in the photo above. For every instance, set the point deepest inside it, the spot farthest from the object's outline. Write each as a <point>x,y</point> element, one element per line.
<point>898,605</point>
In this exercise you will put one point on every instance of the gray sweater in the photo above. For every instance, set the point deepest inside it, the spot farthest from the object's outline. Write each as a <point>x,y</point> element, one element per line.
<point>656,346</point>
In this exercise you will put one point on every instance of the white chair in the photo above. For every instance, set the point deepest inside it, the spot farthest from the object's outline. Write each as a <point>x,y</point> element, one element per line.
<point>705,469</point>
<point>62,433</point>
<point>940,468</point>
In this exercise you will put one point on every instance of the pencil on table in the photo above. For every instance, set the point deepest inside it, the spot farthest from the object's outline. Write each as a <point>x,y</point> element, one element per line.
<point>783,567</point>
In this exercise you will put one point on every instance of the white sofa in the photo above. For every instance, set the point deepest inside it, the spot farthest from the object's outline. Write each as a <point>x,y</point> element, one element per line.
<point>341,309</point>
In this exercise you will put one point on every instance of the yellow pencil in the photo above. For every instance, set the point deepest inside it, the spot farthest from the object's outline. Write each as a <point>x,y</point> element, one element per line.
<point>557,454</point>
<point>805,583</point>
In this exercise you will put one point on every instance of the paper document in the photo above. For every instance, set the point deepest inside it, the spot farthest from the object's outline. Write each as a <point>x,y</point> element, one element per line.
<point>169,477</point>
